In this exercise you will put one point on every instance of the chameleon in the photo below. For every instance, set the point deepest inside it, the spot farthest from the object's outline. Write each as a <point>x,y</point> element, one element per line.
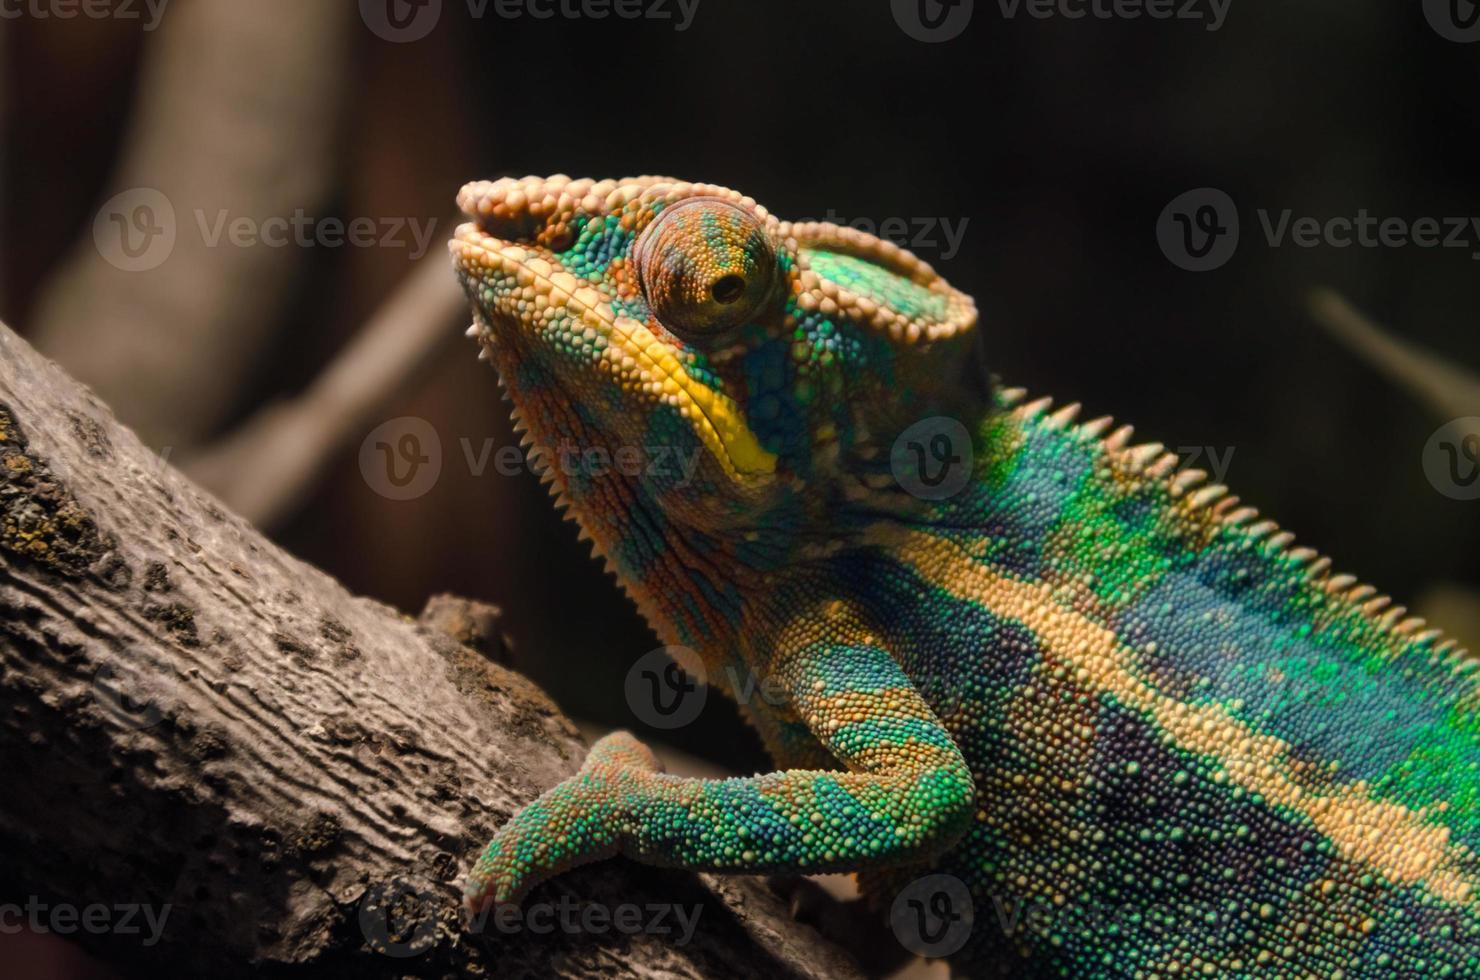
<point>1003,646</point>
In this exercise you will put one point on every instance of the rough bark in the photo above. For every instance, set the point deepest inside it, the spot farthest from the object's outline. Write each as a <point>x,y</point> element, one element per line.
<point>193,718</point>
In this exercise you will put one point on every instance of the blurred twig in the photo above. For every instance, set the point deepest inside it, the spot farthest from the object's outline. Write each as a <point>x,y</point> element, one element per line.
<point>1446,389</point>
<point>264,468</point>
<point>238,113</point>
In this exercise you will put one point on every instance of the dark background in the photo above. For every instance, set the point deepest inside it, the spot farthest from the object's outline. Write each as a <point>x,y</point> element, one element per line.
<point>1058,141</point>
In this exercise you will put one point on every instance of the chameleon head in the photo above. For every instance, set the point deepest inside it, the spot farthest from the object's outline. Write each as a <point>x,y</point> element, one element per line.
<point>701,354</point>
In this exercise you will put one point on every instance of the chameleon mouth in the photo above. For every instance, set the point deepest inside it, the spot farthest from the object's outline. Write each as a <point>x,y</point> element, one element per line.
<point>508,283</point>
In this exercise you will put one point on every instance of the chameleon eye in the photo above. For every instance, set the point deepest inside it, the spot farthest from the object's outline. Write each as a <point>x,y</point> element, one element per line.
<point>705,266</point>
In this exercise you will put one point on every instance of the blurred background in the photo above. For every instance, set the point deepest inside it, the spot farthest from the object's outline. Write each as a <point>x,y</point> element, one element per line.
<point>228,218</point>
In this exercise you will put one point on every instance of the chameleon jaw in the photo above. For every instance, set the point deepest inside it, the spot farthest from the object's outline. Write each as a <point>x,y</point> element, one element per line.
<point>526,290</point>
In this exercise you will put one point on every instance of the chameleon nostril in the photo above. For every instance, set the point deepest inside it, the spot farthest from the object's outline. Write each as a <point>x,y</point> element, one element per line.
<point>728,289</point>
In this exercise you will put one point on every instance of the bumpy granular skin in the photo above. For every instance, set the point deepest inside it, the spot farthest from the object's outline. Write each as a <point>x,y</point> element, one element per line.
<point>1082,683</point>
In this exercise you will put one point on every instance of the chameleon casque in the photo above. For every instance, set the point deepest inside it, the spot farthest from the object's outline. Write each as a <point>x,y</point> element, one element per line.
<point>1084,680</point>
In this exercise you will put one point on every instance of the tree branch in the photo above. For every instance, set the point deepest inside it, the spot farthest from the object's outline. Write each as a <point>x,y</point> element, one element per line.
<point>286,778</point>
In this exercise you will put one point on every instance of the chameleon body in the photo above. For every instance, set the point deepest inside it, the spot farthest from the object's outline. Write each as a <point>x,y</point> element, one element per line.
<point>1078,681</point>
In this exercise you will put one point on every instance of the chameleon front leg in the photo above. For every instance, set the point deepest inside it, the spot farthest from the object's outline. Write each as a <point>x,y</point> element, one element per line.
<point>905,793</point>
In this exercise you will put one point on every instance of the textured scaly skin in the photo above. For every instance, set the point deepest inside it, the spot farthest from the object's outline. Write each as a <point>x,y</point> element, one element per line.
<point>1083,680</point>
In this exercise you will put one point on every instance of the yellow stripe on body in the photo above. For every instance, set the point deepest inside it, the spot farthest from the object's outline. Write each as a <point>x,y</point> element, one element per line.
<point>1392,839</point>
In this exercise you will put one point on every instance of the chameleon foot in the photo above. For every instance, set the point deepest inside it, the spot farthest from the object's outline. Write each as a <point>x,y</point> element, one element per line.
<point>576,822</point>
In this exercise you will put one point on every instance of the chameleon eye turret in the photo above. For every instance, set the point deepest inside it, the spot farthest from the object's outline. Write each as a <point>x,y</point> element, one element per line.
<point>706,266</point>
